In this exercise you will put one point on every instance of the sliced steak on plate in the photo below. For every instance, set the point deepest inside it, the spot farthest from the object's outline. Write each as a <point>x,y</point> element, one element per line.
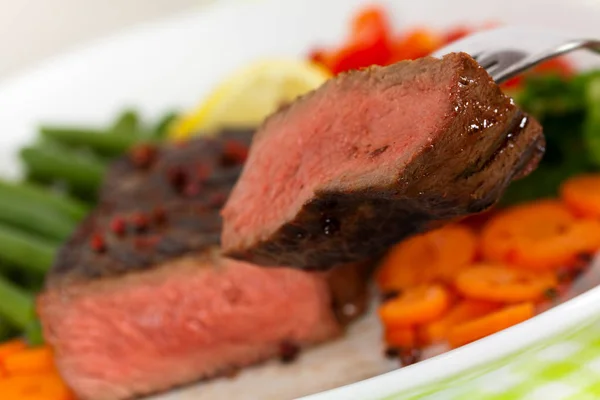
<point>140,300</point>
<point>373,156</point>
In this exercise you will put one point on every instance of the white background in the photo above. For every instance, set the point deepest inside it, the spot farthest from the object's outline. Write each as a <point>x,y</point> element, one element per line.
<point>32,30</point>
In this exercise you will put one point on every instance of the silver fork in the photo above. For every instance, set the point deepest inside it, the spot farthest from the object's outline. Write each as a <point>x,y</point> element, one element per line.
<point>508,51</point>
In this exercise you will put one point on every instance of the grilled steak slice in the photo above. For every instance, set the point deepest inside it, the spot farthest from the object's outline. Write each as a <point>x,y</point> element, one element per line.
<point>140,300</point>
<point>373,156</point>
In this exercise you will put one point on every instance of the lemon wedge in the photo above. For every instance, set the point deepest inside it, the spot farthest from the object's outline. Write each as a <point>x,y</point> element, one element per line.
<point>249,95</point>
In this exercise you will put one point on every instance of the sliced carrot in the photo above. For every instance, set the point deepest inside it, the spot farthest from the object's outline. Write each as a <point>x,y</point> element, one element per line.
<point>431,257</point>
<point>464,311</point>
<point>582,195</point>
<point>11,347</point>
<point>489,324</point>
<point>401,337</point>
<point>35,387</point>
<point>539,235</point>
<point>580,240</point>
<point>502,284</point>
<point>415,306</point>
<point>30,361</point>
<point>535,220</point>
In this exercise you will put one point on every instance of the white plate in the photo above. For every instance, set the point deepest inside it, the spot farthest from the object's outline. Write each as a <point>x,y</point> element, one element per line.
<point>174,63</point>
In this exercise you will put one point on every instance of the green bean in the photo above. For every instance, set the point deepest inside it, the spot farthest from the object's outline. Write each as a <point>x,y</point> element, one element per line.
<point>42,197</point>
<point>7,329</point>
<point>16,305</point>
<point>161,128</point>
<point>31,281</point>
<point>31,216</point>
<point>34,219</point>
<point>127,122</point>
<point>591,128</point>
<point>60,164</point>
<point>104,142</point>
<point>25,250</point>
<point>33,333</point>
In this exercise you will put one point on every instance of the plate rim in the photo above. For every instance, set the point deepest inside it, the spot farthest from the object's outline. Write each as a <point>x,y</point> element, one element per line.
<point>571,314</point>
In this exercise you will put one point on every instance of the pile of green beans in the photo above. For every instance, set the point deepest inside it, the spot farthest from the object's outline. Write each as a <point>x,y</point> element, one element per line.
<point>64,169</point>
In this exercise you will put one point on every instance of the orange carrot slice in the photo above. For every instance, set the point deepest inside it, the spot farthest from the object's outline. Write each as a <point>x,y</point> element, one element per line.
<point>35,387</point>
<point>11,347</point>
<point>464,311</point>
<point>489,324</point>
<point>581,239</point>
<point>415,306</point>
<point>539,235</point>
<point>401,337</point>
<point>502,284</point>
<point>30,361</point>
<point>582,195</point>
<point>434,256</point>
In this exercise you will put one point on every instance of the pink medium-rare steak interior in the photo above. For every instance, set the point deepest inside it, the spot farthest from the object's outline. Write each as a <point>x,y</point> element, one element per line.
<point>340,137</point>
<point>139,299</point>
<point>194,318</point>
<point>373,156</point>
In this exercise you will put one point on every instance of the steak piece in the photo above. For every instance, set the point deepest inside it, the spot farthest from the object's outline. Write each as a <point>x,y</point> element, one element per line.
<point>373,156</point>
<point>140,300</point>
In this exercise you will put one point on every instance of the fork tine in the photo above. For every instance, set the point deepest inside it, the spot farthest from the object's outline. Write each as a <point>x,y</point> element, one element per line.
<point>510,50</point>
<point>487,59</point>
<point>488,62</point>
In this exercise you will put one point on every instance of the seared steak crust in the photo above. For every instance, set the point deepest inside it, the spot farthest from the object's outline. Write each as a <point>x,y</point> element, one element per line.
<point>156,204</point>
<point>140,299</point>
<point>391,176</point>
